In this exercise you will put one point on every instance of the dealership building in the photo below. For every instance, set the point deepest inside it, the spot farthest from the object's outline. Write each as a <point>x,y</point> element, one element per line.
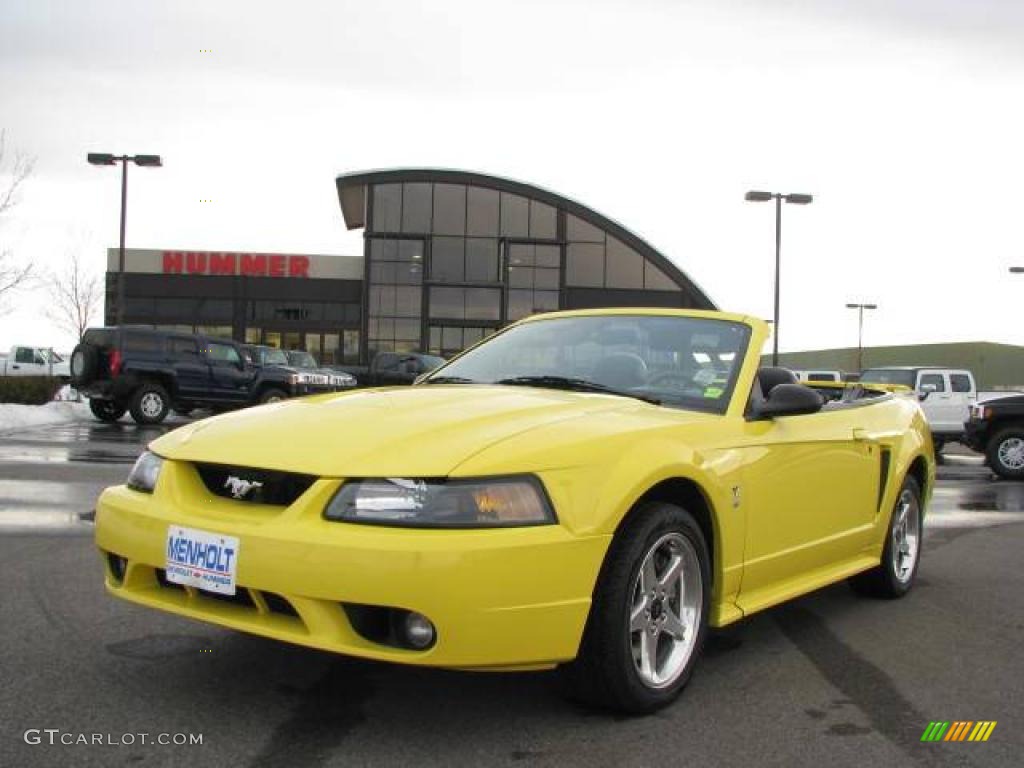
<point>448,258</point>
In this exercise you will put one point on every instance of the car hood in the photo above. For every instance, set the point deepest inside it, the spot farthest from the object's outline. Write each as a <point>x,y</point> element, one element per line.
<point>398,431</point>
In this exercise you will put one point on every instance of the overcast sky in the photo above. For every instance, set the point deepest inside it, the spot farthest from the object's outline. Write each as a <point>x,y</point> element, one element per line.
<point>904,118</point>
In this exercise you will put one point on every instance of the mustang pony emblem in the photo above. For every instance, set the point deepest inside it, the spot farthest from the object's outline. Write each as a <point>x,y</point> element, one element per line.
<point>239,487</point>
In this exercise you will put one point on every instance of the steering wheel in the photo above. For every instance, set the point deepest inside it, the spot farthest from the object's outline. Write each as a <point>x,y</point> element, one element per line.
<point>671,378</point>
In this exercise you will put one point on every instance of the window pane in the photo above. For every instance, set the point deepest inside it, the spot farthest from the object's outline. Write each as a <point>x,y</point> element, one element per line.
<point>520,255</point>
<point>449,209</point>
<point>520,304</point>
<point>625,266</point>
<point>471,336</point>
<point>546,278</point>
<point>407,300</point>
<point>410,250</point>
<point>387,207</point>
<point>313,346</point>
<point>584,265</point>
<point>451,338</point>
<point>932,381</point>
<point>481,212</point>
<point>542,221</point>
<point>330,356</point>
<point>409,273</point>
<point>447,259</point>
<point>960,382</point>
<point>383,250</point>
<point>407,330</point>
<point>520,277</point>
<point>482,303</point>
<point>416,206</point>
<point>655,279</point>
<point>447,302</point>
<point>515,215</point>
<point>548,256</point>
<point>435,339</point>
<point>481,259</point>
<point>577,229</point>
<point>545,301</point>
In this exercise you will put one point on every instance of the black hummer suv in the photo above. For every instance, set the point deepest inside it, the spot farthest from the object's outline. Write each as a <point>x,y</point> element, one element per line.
<point>149,372</point>
<point>996,428</point>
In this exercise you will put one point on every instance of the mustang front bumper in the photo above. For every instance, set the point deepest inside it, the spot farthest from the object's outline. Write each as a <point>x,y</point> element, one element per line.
<point>498,598</point>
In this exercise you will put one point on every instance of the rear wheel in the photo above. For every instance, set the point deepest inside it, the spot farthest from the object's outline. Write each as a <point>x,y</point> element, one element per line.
<point>150,404</point>
<point>894,575</point>
<point>106,410</point>
<point>649,616</point>
<point>1006,453</point>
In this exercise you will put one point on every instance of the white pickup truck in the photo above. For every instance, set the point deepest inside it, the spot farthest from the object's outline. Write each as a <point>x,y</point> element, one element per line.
<point>946,394</point>
<point>34,361</point>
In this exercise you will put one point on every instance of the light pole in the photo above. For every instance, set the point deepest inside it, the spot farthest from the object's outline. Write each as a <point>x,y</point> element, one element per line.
<point>860,331</point>
<point>796,198</point>
<point>148,161</point>
<point>1017,270</point>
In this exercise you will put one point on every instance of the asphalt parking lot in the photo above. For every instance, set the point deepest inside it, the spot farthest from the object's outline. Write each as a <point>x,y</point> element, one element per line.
<point>829,679</point>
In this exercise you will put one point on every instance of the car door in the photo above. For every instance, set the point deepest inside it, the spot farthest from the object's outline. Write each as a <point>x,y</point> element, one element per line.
<point>810,489</point>
<point>230,378</point>
<point>388,371</point>
<point>938,405</point>
<point>963,394</point>
<point>191,370</point>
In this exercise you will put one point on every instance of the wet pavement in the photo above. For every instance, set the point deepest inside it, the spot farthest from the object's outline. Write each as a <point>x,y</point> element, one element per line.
<point>830,678</point>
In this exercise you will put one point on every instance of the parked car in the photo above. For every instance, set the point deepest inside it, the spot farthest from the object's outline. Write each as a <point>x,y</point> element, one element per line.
<point>33,361</point>
<point>318,378</point>
<point>393,368</point>
<point>148,372</point>
<point>304,361</point>
<point>818,375</point>
<point>996,429</point>
<point>578,491</point>
<point>946,396</point>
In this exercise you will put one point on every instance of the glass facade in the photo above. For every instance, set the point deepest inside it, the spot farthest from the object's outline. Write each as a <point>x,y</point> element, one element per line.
<point>451,262</point>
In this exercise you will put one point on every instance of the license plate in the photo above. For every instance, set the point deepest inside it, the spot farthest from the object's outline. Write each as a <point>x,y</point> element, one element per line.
<point>202,559</point>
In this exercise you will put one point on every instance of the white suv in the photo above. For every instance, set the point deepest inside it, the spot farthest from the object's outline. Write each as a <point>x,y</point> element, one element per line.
<point>946,396</point>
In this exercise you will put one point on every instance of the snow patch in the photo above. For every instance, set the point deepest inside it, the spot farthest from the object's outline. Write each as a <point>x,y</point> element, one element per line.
<point>14,416</point>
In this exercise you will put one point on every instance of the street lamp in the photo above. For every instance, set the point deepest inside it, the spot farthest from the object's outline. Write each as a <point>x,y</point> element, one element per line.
<point>860,331</point>
<point>796,198</point>
<point>1017,270</point>
<point>146,161</point>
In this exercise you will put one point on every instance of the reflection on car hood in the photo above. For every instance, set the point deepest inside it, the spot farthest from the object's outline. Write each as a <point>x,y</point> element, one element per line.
<point>413,431</point>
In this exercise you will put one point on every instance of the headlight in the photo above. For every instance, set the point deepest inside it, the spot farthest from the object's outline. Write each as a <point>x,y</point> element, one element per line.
<point>441,503</point>
<point>145,472</point>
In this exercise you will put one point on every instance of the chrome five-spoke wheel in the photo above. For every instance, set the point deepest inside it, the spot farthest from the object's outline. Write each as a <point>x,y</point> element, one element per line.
<point>906,534</point>
<point>666,606</point>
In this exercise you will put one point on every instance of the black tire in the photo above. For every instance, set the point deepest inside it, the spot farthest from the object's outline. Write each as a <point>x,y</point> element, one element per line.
<point>106,410</point>
<point>85,362</point>
<point>604,673</point>
<point>150,403</point>
<point>272,395</point>
<point>1006,442</point>
<point>882,580</point>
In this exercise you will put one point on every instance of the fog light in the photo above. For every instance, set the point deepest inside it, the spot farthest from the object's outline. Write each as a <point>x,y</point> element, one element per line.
<point>118,566</point>
<point>418,631</point>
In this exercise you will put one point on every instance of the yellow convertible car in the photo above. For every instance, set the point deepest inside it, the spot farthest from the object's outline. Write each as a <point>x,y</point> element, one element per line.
<point>589,489</point>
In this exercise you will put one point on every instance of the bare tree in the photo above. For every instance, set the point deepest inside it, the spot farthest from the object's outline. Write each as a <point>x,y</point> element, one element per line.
<point>75,297</point>
<point>12,274</point>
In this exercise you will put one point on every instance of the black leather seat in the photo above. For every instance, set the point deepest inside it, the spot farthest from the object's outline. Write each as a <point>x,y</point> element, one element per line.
<point>622,371</point>
<point>769,378</point>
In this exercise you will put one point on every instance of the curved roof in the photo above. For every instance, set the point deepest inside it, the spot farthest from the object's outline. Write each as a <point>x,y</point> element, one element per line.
<point>352,196</point>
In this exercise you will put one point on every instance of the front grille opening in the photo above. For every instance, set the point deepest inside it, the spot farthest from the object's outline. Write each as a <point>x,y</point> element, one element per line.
<point>162,580</point>
<point>241,597</point>
<point>260,486</point>
<point>277,604</point>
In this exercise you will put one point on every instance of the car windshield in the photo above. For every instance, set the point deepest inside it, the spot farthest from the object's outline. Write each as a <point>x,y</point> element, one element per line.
<point>274,357</point>
<point>888,376</point>
<point>686,362</point>
<point>302,359</point>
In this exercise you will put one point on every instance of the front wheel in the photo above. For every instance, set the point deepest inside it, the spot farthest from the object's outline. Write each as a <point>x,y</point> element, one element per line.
<point>106,410</point>
<point>150,404</point>
<point>894,575</point>
<point>649,616</point>
<point>273,395</point>
<point>1006,453</point>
